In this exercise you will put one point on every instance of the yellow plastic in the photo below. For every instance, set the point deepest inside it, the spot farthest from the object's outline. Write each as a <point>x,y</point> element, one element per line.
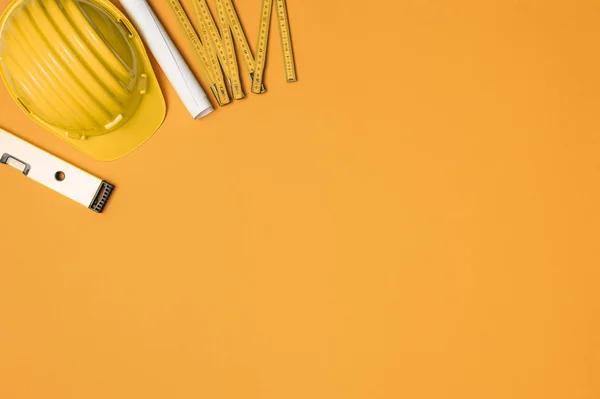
<point>79,69</point>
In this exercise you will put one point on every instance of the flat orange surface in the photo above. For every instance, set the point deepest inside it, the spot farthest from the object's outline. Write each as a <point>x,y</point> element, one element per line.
<point>418,217</point>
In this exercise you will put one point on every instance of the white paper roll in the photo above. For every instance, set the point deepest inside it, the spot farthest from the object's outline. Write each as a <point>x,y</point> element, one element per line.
<point>168,57</point>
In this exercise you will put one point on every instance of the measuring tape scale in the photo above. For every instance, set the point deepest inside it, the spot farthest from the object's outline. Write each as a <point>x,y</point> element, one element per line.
<point>214,77</point>
<point>224,52</point>
<point>261,48</point>
<point>223,48</point>
<point>205,19</point>
<point>240,39</point>
<point>216,50</point>
<point>227,41</point>
<point>263,39</point>
<point>286,41</point>
<point>206,40</point>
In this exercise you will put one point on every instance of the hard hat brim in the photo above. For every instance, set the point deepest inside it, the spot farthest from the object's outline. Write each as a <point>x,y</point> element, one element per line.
<point>147,119</point>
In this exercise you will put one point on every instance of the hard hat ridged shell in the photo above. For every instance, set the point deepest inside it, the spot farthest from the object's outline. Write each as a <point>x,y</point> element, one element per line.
<point>77,66</point>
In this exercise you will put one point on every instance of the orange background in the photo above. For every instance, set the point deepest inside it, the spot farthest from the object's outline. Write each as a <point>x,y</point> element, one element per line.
<point>425,226</point>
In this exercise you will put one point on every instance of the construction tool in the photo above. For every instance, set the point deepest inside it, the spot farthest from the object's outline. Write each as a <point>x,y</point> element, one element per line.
<point>263,38</point>
<point>54,173</point>
<point>240,38</point>
<point>168,57</point>
<point>285,37</point>
<point>217,39</point>
<point>213,75</point>
<point>210,34</point>
<point>227,42</point>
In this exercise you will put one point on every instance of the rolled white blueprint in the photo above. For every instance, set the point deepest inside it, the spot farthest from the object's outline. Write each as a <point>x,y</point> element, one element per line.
<point>168,57</point>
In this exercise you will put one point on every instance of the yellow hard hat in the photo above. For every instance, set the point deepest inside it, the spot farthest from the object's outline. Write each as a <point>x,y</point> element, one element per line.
<point>79,69</point>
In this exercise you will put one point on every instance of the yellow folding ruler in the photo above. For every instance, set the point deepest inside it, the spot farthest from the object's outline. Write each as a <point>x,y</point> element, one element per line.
<point>210,63</point>
<point>222,40</point>
<point>210,34</point>
<point>263,38</point>
<point>213,43</point>
<point>227,42</point>
<point>240,37</point>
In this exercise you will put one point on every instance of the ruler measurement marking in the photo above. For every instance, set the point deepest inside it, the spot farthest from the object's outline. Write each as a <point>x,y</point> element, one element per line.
<point>240,39</point>
<point>215,41</point>
<point>227,41</point>
<point>216,67</point>
<point>199,49</point>
<point>286,41</point>
<point>232,73</point>
<point>261,48</point>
